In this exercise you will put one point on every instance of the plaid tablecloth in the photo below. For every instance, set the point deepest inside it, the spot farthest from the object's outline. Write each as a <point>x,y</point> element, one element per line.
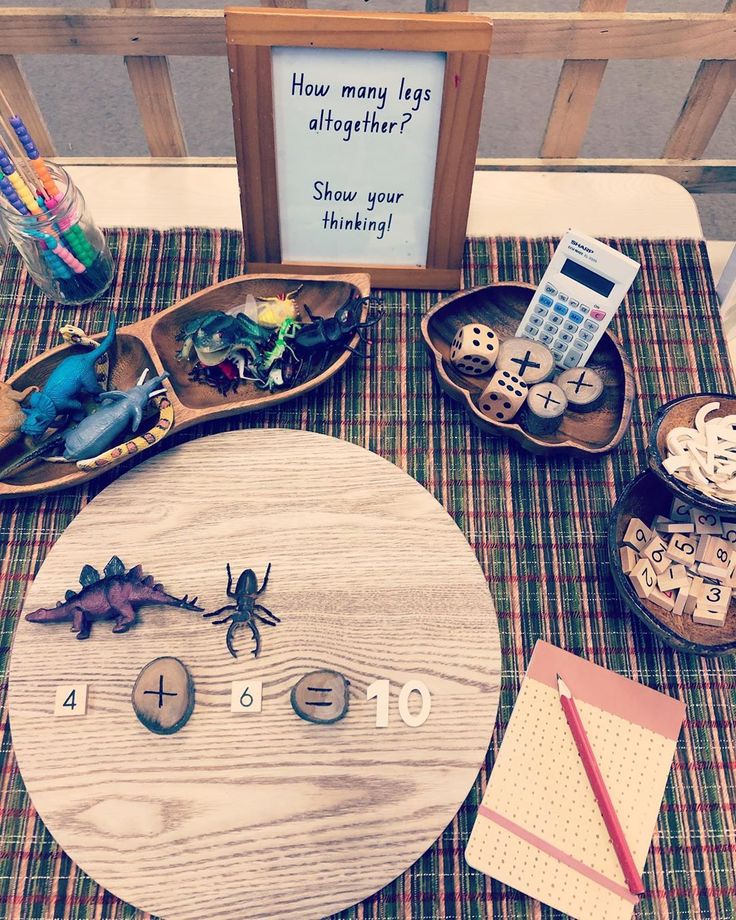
<point>538,526</point>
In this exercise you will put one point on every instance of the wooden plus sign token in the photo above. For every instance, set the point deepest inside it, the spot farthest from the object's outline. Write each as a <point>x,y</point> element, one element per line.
<point>531,361</point>
<point>163,696</point>
<point>582,386</point>
<point>545,407</point>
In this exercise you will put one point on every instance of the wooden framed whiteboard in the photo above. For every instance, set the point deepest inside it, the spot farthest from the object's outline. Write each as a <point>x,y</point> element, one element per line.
<point>356,136</point>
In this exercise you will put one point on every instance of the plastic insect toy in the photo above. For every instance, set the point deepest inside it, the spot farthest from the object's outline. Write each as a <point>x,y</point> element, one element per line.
<point>336,330</point>
<point>279,363</point>
<point>245,607</point>
<point>225,343</point>
<point>115,595</point>
<point>274,310</point>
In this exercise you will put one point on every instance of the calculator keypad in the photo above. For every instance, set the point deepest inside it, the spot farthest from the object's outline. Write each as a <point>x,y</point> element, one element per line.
<point>566,326</point>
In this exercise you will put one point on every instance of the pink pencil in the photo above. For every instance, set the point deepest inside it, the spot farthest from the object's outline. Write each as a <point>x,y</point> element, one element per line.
<point>595,777</point>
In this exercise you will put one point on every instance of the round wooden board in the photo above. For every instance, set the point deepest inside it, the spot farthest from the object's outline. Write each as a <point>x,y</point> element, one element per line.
<point>261,815</point>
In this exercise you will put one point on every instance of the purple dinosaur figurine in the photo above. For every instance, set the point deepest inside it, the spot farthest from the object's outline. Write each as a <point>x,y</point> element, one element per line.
<point>114,596</point>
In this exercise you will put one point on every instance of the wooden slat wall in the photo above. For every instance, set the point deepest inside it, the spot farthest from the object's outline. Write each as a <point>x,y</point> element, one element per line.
<point>540,36</point>
<point>599,31</point>
<point>151,82</point>
<point>19,93</point>
<point>709,94</point>
<point>577,90</point>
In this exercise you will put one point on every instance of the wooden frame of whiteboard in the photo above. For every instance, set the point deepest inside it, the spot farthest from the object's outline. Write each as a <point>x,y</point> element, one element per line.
<point>251,33</point>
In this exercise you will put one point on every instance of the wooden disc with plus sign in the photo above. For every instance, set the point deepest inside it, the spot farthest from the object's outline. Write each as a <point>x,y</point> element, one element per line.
<point>545,406</point>
<point>582,386</point>
<point>530,361</point>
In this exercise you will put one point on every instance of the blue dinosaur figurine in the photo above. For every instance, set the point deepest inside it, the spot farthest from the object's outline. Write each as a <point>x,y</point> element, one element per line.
<point>73,377</point>
<point>119,412</point>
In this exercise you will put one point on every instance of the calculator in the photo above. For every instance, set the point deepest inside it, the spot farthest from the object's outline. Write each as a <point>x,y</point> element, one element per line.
<point>577,298</point>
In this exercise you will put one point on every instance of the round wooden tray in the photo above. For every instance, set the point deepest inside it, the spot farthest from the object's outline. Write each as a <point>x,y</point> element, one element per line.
<point>501,306</point>
<point>261,815</point>
<point>682,412</point>
<point>645,497</point>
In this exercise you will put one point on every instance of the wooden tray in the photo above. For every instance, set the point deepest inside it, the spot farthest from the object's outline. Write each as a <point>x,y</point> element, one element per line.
<point>682,412</point>
<point>261,815</point>
<point>501,306</point>
<point>644,497</point>
<point>152,343</point>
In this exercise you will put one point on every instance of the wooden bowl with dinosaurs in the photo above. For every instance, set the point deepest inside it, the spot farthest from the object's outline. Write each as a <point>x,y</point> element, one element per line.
<point>151,343</point>
<point>501,306</point>
<point>644,498</point>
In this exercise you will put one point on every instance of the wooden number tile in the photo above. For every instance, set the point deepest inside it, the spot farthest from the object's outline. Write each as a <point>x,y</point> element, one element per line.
<point>701,550</point>
<point>696,589</point>
<point>629,558</point>
<point>729,531</point>
<point>583,388</point>
<point>704,615</point>
<point>530,361</point>
<point>656,552</point>
<point>659,520</point>
<point>643,578</point>
<point>716,596</point>
<point>664,599</point>
<point>673,577</point>
<point>706,522</point>
<point>70,700</point>
<point>723,576</point>
<point>246,695</point>
<point>718,552</point>
<point>682,548</point>
<point>676,527</point>
<point>681,600</point>
<point>638,535</point>
<point>680,511</point>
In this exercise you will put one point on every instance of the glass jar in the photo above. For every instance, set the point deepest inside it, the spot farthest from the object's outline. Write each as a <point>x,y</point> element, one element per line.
<point>63,249</point>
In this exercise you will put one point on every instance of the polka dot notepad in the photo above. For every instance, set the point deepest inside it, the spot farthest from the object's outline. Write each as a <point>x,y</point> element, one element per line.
<point>539,828</point>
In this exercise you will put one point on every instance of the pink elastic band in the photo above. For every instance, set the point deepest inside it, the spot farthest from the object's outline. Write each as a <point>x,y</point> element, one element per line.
<point>558,854</point>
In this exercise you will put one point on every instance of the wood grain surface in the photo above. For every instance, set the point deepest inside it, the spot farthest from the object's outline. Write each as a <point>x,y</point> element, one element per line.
<point>261,814</point>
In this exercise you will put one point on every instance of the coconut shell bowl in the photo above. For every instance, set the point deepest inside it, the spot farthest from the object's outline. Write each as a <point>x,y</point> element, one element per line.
<point>644,498</point>
<point>678,413</point>
<point>501,306</point>
<point>152,343</point>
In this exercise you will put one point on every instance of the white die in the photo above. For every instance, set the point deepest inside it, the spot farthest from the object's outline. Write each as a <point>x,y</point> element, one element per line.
<point>503,397</point>
<point>474,349</point>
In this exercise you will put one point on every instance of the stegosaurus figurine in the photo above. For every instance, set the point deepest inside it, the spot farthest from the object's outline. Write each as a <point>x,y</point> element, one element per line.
<point>115,595</point>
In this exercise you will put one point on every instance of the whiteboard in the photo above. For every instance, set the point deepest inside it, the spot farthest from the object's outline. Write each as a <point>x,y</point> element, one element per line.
<point>356,146</point>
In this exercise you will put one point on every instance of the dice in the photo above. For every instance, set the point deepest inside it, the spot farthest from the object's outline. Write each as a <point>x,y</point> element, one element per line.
<point>503,397</point>
<point>474,349</point>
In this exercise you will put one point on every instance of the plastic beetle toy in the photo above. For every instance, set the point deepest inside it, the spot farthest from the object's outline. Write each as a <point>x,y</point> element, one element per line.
<point>245,607</point>
<point>334,331</point>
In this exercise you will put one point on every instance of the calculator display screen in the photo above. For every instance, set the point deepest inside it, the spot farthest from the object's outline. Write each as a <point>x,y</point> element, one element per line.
<point>587,278</point>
